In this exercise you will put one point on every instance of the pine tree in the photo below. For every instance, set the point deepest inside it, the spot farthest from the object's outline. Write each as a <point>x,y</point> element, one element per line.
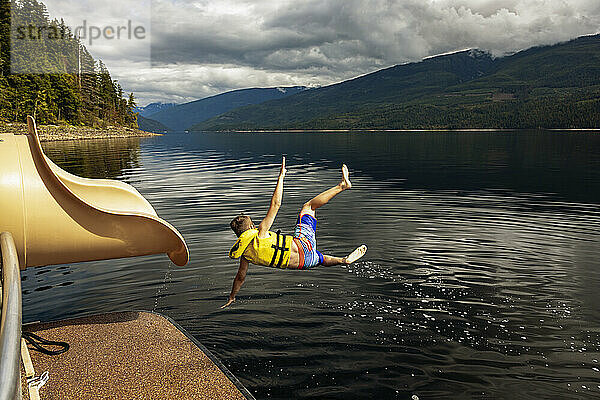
<point>57,94</point>
<point>4,37</point>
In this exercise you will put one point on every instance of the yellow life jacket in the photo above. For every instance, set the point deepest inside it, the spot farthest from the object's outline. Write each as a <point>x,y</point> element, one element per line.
<point>272,251</point>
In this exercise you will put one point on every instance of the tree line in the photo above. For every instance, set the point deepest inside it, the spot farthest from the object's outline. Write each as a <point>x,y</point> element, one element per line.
<point>48,74</point>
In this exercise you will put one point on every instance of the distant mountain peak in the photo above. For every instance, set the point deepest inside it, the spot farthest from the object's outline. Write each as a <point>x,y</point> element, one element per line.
<point>472,53</point>
<point>183,116</point>
<point>476,53</point>
<point>153,108</point>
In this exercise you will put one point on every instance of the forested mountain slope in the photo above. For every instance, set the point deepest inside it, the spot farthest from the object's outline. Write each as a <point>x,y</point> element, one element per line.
<point>183,116</point>
<point>552,87</point>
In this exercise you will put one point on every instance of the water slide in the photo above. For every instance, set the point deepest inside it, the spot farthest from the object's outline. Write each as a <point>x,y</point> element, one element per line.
<point>58,218</point>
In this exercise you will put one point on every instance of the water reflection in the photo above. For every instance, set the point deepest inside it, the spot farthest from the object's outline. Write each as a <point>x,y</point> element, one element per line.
<point>95,158</point>
<point>481,281</point>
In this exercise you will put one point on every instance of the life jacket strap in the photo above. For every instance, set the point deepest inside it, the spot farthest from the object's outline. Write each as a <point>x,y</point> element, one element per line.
<point>279,250</point>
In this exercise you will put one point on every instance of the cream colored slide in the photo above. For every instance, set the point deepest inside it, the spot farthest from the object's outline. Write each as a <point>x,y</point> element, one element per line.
<point>56,217</point>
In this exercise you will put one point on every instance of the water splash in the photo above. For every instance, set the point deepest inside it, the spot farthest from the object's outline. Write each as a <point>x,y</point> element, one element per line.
<point>161,291</point>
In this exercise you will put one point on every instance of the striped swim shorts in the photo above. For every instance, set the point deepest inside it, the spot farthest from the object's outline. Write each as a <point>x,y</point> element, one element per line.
<point>306,240</point>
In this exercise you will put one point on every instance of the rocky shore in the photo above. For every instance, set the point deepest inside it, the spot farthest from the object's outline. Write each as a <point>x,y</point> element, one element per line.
<point>55,133</point>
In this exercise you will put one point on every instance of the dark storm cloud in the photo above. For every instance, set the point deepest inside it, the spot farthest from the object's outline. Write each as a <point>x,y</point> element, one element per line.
<point>202,47</point>
<point>354,34</point>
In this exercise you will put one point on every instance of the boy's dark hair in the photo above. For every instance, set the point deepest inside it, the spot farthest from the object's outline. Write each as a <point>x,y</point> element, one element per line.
<point>240,224</point>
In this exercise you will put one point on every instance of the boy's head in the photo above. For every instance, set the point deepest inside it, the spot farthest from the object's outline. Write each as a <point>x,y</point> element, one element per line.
<point>241,224</point>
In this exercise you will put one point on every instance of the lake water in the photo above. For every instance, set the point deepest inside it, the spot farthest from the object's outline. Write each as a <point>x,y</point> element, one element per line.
<point>482,278</point>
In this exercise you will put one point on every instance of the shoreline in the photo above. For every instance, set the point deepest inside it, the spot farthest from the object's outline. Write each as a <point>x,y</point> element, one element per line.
<point>55,133</point>
<point>397,130</point>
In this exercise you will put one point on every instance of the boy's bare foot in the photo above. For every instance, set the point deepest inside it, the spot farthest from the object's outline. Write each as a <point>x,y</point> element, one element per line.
<point>355,255</point>
<point>345,183</point>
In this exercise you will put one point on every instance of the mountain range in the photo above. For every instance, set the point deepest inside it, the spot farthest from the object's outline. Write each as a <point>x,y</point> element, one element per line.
<point>554,86</point>
<point>153,108</point>
<point>183,116</point>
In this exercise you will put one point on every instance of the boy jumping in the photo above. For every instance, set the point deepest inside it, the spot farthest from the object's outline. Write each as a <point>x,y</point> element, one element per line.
<point>263,247</point>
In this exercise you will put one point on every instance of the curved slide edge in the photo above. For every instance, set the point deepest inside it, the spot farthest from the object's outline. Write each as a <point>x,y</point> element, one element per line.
<point>119,221</point>
<point>104,193</point>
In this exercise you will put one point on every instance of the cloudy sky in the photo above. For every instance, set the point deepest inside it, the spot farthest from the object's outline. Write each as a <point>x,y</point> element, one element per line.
<point>194,49</point>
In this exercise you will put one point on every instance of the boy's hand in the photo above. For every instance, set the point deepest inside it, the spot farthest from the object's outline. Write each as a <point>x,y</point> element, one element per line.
<point>283,170</point>
<point>228,303</point>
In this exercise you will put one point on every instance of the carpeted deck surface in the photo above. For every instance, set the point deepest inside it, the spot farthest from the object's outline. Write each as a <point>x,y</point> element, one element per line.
<point>133,355</point>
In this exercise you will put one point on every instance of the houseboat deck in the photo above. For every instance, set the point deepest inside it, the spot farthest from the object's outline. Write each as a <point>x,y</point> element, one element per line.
<point>131,355</point>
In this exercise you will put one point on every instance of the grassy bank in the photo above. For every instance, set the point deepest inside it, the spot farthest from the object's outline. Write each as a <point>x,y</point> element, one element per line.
<point>55,133</point>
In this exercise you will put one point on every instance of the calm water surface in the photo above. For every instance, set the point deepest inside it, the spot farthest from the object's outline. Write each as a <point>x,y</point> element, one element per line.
<point>482,278</point>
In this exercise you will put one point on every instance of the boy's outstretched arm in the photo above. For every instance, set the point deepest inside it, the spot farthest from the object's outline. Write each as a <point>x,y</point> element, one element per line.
<point>238,281</point>
<point>266,223</point>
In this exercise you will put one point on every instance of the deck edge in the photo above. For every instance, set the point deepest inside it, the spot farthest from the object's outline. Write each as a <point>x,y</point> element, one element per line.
<point>208,353</point>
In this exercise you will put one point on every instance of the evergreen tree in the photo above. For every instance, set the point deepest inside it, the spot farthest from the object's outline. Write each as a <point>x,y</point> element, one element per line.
<point>4,40</point>
<point>58,94</point>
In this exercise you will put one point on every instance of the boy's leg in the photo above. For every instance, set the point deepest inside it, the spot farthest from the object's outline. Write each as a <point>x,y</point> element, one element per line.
<point>310,207</point>
<point>329,261</point>
<point>320,200</point>
<point>349,259</point>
